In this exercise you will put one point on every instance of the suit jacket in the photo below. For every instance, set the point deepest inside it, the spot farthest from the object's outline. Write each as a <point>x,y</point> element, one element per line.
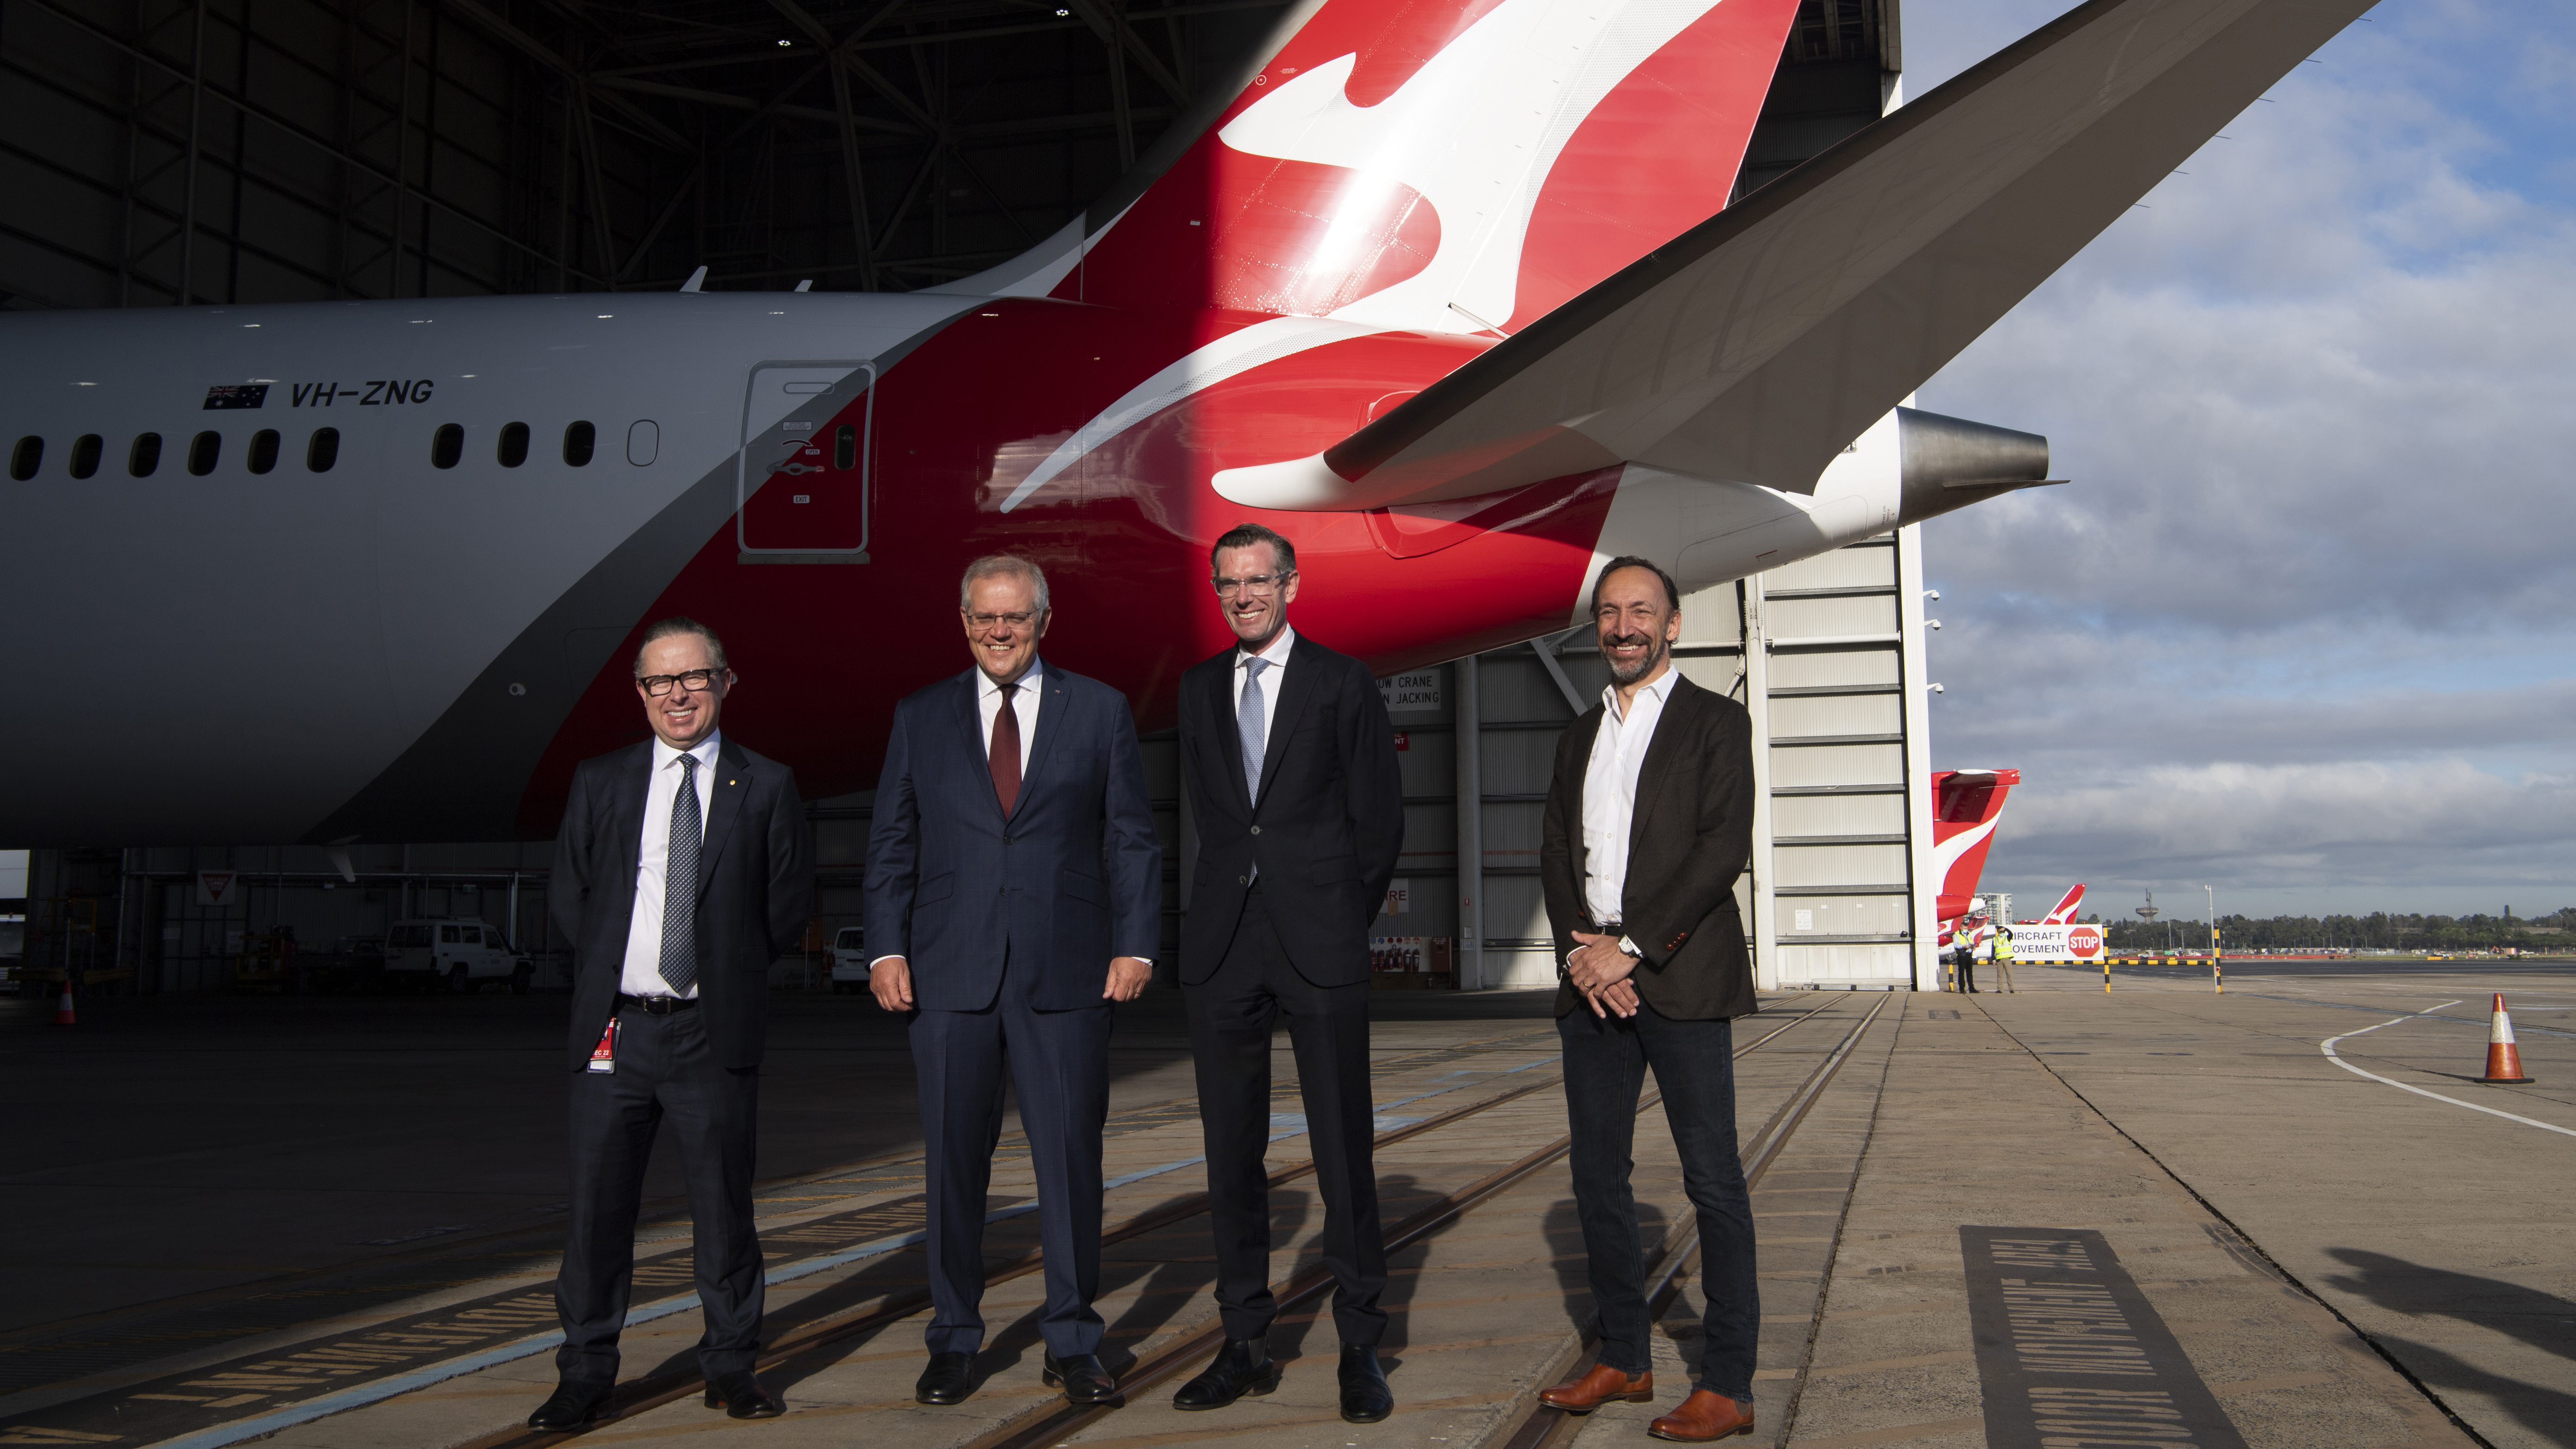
<point>1073,877</point>
<point>755,891</point>
<point>1328,825</point>
<point>1689,838</point>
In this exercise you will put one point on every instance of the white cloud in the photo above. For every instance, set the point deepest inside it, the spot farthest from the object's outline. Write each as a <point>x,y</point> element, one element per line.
<point>2301,620</point>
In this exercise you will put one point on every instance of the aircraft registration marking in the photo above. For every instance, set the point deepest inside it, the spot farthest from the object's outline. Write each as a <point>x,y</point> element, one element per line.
<point>376,392</point>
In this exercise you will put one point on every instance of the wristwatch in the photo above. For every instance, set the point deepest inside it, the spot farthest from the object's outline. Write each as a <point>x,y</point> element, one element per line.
<point>1630,948</point>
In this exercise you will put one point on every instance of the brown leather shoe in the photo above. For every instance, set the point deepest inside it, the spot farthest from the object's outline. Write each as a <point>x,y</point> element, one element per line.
<point>1704,1416</point>
<point>1601,1384</point>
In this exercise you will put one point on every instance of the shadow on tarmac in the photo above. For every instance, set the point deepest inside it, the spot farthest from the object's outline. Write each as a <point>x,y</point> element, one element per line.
<point>2543,1320</point>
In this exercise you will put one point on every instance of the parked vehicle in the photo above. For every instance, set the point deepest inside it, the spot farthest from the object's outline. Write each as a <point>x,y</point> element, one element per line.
<point>849,960</point>
<point>353,964</point>
<point>457,956</point>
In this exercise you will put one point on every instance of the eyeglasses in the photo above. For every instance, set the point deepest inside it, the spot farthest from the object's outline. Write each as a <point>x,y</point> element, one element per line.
<point>1259,586</point>
<point>695,681</point>
<point>1016,621</point>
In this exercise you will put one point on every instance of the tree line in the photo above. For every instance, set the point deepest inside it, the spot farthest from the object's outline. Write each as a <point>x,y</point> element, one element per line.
<point>2380,929</point>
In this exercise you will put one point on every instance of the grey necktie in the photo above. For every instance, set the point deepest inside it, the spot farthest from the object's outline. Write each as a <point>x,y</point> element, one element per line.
<point>680,883</point>
<point>1247,719</point>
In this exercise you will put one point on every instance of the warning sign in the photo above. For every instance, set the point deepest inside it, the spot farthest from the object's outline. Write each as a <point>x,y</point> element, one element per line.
<point>217,887</point>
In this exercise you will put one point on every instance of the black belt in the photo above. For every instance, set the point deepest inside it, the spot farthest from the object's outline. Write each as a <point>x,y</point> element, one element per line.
<point>657,1005</point>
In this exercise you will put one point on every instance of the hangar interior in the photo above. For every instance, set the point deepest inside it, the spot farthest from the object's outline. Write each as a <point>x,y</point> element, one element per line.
<point>170,152</point>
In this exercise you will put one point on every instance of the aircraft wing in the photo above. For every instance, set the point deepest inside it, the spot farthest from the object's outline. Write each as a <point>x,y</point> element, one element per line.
<point>1755,346</point>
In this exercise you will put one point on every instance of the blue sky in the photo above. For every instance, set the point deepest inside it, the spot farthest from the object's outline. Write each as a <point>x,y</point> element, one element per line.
<point>2301,627</point>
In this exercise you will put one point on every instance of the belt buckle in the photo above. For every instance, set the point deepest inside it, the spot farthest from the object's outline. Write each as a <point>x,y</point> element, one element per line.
<point>660,1005</point>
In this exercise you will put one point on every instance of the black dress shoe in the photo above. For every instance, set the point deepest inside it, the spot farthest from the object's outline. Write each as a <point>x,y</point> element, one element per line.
<point>1081,1377</point>
<point>1365,1396</point>
<point>1242,1367</point>
<point>575,1403</point>
<point>948,1380</point>
<point>741,1396</point>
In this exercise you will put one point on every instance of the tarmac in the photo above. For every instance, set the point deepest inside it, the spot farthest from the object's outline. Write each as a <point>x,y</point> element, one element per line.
<point>2285,1215</point>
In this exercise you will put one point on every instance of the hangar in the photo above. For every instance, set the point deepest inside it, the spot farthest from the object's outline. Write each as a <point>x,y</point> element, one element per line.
<point>255,151</point>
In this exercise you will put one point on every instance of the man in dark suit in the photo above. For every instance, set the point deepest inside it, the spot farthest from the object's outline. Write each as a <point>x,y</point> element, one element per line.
<point>1014,891</point>
<point>1649,822</point>
<point>1290,764</point>
<point>682,870</point>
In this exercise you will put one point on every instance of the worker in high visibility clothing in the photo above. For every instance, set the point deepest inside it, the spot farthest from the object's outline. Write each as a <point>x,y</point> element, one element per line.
<point>2004,956</point>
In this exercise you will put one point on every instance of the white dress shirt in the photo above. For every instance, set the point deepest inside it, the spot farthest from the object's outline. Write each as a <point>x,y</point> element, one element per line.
<point>642,975</point>
<point>1277,654</point>
<point>988,707</point>
<point>1610,795</point>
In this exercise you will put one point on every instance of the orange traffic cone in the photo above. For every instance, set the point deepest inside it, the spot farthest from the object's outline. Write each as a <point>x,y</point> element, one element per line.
<point>63,1006</point>
<point>2504,1059</point>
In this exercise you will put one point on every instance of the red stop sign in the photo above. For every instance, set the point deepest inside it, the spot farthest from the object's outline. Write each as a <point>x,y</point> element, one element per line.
<point>2084,942</point>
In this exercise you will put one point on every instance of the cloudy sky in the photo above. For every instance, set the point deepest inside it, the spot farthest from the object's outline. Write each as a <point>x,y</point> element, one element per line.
<point>2301,628</point>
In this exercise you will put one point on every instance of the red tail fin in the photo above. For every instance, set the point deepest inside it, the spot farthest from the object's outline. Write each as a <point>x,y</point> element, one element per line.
<point>1965,806</point>
<point>1443,165</point>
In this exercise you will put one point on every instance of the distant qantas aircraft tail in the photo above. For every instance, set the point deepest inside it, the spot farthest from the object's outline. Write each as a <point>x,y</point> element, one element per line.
<point>1965,806</point>
<point>2064,911</point>
<point>1454,166</point>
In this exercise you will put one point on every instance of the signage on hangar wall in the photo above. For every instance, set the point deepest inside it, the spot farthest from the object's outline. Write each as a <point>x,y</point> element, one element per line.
<point>1416,691</point>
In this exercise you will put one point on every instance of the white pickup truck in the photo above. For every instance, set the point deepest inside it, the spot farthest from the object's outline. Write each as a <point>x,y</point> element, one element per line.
<point>458,956</point>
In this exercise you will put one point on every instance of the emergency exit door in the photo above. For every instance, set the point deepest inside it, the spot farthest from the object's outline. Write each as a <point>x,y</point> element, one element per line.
<point>802,486</point>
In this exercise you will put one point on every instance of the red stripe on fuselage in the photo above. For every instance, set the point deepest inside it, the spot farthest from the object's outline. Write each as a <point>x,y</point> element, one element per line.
<point>824,651</point>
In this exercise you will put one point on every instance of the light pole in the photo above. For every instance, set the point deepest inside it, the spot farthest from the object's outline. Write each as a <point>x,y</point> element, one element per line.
<point>2217,977</point>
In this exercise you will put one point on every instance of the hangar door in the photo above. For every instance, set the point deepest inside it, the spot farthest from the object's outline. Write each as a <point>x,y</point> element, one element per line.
<point>802,480</point>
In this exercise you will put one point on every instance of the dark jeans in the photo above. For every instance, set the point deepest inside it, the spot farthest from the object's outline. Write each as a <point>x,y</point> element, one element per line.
<point>1059,1060</point>
<point>1231,1015</point>
<point>1694,1064</point>
<point>665,1068</point>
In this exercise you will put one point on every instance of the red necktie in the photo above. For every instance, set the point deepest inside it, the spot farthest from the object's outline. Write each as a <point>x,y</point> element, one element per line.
<point>1005,756</point>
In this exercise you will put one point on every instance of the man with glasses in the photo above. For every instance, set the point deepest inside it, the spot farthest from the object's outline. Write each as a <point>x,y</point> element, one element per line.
<point>1015,891</point>
<point>1290,764</point>
<point>681,872</point>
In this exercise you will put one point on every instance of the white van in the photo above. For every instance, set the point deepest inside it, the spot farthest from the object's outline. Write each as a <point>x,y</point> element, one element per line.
<point>459,956</point>
<point>849,960</point>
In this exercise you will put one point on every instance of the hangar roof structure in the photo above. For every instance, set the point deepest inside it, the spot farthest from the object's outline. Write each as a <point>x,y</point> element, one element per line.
<point>167,152</point>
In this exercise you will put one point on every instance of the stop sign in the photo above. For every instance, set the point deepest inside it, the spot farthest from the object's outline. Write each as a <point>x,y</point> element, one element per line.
<point>2084,942</point>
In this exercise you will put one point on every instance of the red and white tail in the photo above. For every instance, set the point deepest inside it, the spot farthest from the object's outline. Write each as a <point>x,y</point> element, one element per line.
<point>2064,911</point>
<point>1450,166</point>
<point>1965,807</point>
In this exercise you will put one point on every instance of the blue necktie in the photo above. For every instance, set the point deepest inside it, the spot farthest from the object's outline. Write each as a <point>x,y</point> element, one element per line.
<point>1247,720</point>
<point>680,883</point>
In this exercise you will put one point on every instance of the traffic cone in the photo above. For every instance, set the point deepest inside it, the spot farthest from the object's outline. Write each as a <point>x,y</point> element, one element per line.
<point>63,1006</point>
<point>2504,1059</point>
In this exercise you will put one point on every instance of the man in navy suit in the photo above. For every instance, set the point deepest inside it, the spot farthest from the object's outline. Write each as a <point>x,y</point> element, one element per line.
<point>1290,764</point>
<point>1015,887</point>
<point>681,872</point>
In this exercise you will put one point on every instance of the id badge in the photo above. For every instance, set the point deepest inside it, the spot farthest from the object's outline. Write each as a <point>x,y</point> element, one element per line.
<point>603,1057</point>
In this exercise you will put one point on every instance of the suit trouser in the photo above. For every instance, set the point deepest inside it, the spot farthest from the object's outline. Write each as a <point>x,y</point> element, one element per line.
<point>1231,1015</point>
<point>1694,1063</point>
<point>1059,1060</point>
<point>665,1069</point>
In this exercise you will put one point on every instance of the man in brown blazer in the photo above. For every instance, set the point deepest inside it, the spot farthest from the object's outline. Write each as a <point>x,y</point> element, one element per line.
<point>1649,822</point>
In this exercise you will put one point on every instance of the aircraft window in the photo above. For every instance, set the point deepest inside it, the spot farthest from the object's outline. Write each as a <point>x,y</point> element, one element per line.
<point>144,456</point>
<point>263,450</point>
<point>85,451</point>
<point>446,445</point>
<point>845,447</point>
<point>514,444</point>
<point>579,439</point>
<point>27,457</point>
<point>203,451</point>
<point>322,451</point>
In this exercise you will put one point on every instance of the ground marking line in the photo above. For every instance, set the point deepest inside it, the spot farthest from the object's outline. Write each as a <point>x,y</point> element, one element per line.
<point>2427,1014</point>
<point>360,1395</point>
<point>2328,1047</point>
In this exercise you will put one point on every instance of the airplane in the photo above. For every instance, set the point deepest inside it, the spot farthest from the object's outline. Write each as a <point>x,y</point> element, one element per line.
<point>1966,807</point>
<point>1450,294</point>
<point>2063,913</point>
